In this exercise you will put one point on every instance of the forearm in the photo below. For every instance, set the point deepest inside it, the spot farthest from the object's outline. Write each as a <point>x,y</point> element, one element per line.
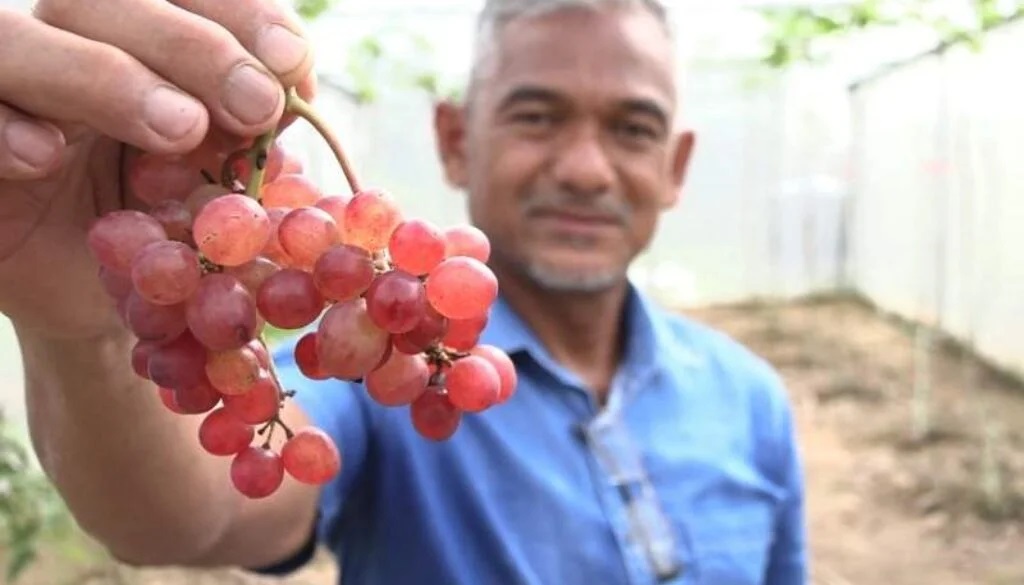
<point>133,474</point>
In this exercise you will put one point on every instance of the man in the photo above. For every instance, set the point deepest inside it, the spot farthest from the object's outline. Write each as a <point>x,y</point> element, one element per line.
<point>640,447</point>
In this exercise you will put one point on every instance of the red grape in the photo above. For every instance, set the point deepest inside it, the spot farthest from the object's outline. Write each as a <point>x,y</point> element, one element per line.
<point>118,236</point>
<point>473,384</point>
<point>152,322</point>
<point>343,272</point>
<point>233,371</point>
<point>503,365</point>
<point>178,364</point>
<point>430,329</point>
<point>307,359</point>
<point>434,416</point>
<point>311,457</point>
<point>463,334</point>
<point>140,357</point>
<point>222,313</point>
<point>167,398</point>
<point>290,191</point>
<point>399,381</point>
<point>257,406</point>
<point>396,301</point>
<point>417,246</point>
<point>462,288</point>
<point>306,233</point>
<point>370,219</point>
<point>231,230</point>
<point>289,299</point>
<point>166,272</point>
<point>348,344</point>
<point>222,434</point>
<point>257,472</point>
<point>467,240</point>
<point>197,399</point>
<point>403,345</point>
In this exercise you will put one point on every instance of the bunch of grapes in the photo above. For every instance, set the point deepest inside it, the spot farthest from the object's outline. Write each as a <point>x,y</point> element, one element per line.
<point>398,304</point>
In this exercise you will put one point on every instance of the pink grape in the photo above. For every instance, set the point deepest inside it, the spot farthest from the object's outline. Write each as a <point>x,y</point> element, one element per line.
<point>434,416</point>
<point>257,472</point>
<point>473,384</point>
<point>467,240</point>
<point>289,299</point>
<point>222,434</point>
<point>348,344</point>
<point>311,457</point>
<point>152,322</point>
<point>202,195</point>
<point>401,344</point>
<point>166,272</point>
<point>153,178</point>
<point>503,365</point>
<point>335,206</point>
<point>290,191</point>
<point>253,274</point>
<point>416,246</point>
<point>231,230</point>
<point>462,288</point>
<point>343,273</point>
<point>399,381</point>
<point>116,285</point>
<point>396,301</point>
<point>306,233</point>
<point>272,166</point>
<point>118,236</point>
<point>222,313</point>
<point>370,219</point>
<point>175,218</point>
<point>273,250</point>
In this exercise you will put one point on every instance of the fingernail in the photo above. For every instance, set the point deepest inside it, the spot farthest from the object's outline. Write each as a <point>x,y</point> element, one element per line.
<point>30,144</point>
<point>170,113</point>
<point>250,95</point>
<point>281,50</point>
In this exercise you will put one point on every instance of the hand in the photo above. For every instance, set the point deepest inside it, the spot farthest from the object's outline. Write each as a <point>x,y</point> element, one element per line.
<point>81,83</point>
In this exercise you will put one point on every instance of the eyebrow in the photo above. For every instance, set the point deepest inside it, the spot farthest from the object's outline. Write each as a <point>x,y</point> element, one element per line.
<point>532,93</point>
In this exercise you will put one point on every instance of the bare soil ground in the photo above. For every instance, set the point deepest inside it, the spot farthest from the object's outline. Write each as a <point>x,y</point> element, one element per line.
<point>942,508</point>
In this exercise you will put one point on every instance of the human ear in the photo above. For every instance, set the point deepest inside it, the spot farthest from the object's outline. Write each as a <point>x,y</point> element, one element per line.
<point>450,138</point>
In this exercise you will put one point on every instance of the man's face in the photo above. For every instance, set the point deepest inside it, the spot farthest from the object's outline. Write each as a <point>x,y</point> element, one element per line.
<point>566,146</point>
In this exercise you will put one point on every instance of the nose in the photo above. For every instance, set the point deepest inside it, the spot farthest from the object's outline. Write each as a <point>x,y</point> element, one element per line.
<point>581,164</point>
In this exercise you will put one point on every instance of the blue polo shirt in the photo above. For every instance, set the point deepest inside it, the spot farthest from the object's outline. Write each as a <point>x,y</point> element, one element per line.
<point>691,475</point>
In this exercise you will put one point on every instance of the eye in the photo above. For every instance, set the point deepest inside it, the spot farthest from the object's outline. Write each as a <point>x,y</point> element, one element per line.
<point>637,131</point>
<point>532,118</point>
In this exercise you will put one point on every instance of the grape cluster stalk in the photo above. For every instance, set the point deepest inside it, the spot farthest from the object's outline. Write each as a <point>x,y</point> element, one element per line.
<point>398,304</point>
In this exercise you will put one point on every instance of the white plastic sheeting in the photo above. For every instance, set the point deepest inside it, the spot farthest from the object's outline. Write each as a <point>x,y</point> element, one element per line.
<point>939,194</point>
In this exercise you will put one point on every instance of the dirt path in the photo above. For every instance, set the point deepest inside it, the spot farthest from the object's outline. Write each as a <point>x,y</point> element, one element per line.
<point>882,509</point>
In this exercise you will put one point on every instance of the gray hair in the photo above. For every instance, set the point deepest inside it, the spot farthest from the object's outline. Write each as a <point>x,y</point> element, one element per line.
<point>496,14</point>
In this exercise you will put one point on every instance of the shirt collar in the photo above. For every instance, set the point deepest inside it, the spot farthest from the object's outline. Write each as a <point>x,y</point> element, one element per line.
<point>646,334</point>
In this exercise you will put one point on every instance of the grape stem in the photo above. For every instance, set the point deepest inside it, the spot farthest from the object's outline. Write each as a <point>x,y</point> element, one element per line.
<point>303,109</point>
<point>258,163</point>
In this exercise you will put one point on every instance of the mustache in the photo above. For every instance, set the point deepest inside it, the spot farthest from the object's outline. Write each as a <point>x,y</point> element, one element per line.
<point>607,206</point>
